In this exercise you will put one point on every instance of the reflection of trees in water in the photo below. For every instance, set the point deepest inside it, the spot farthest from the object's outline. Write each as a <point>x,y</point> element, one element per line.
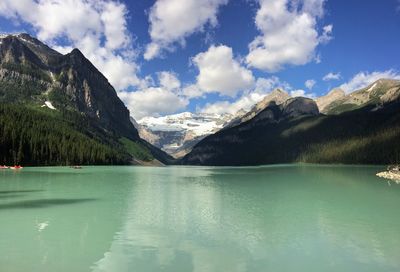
<point>56,221</point>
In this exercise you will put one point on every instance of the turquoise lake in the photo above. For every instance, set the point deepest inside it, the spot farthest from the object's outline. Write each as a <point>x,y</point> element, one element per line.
<point>270,218</point>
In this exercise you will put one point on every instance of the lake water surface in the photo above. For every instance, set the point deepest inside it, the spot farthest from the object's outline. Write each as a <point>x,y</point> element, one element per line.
<point>272,218</point>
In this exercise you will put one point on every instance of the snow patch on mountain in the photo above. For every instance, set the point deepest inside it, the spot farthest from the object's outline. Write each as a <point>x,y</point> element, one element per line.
<point>372,87</point>
<point>178,133</point>
<point>198,124</point>
<point>49,105</point>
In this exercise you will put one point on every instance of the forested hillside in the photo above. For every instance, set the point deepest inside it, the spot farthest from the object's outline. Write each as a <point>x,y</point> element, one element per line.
<point>32,136</point>
<point>364,136</point>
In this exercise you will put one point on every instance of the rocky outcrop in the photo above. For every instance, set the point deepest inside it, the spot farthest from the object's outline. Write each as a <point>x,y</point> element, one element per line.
<point>381,92</point>
<point>299,106</point>
<point>145,133</point>
<point>326,100</point>
<point>291,108</point>
<point>277,96</point>
<point>390,174</point>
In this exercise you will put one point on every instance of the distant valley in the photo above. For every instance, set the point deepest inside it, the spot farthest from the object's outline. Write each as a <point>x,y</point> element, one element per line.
<point>177,134</point>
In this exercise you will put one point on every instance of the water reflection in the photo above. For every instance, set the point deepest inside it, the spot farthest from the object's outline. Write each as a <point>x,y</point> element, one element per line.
<point>43,203</point>
<point>173,225</point>
<point>254,219</point>
<point>278,218</point>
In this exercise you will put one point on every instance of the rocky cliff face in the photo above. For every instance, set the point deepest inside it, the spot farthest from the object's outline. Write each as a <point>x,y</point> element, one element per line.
<point>278,96</point>
<point>290,109</point>
<point>299,106</point>
<point>326,100</point>
<point>32,72</point>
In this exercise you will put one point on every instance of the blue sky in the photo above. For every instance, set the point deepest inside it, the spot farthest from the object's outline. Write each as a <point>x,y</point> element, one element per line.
<point>218,56</point>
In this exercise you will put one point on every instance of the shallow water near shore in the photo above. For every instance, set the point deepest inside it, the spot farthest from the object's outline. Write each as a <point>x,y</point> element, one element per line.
<point>270,218</point>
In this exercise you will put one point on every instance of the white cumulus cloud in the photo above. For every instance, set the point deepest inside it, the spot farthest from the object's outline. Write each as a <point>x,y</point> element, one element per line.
<point>248,99</point>
<point>332,76</point>
<point>289,33</point>
<point>301,93</point>
<point>165,98</point>
<point>169,80</point>
<point>363,79</point>
<point>310,83</point>
<point>171,21</point>
<point>220,72</point>
<point>153,101</point>
<point>97,27</point>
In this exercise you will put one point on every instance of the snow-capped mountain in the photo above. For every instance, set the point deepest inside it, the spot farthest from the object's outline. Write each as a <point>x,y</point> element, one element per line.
<point>178,133</point>
<point>198,124</point>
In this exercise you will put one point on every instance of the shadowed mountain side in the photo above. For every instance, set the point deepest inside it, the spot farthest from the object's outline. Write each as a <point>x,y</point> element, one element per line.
<point>43,203</point>
<point>364,136</point>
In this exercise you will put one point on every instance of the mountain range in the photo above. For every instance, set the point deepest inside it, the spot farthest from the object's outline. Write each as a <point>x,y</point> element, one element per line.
<point>70,93</point>
<point>360,127</point>
<point>60,110</point>
<point>178,133</point>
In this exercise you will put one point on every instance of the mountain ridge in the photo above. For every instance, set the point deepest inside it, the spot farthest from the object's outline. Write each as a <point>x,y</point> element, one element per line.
<point>377,93</point>
<point>296,132</point>
<point>33,74</point>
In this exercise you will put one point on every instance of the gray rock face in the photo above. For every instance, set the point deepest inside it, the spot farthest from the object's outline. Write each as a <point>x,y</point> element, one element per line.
<point>299,106</point>
<point>70,80</point>
<point>291,108</point>
<point>277,96</point>
<point>332,96</point>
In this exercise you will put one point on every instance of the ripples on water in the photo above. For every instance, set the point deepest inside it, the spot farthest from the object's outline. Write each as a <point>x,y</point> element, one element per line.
<point>275,218</point>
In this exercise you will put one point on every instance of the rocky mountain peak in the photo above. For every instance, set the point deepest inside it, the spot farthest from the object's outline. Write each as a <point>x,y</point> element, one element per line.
<point>22,47</point>
<point>76,53</point>
<point>332,96</point>
<point>298,106</point>
<point>336,92</point>
<point>278,96</point>
<point>32,71</point>
<point>379,92</point>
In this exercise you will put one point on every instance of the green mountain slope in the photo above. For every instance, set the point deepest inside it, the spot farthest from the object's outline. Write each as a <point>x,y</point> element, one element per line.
<point>40,136</point>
